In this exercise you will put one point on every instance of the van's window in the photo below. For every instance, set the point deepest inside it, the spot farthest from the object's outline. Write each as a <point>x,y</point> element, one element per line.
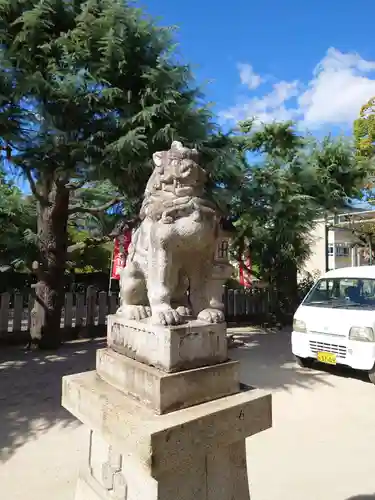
<point>345,293</point>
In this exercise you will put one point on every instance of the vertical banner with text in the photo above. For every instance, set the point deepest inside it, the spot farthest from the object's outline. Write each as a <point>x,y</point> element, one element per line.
<point>245,272</point>
<point>120,253</point>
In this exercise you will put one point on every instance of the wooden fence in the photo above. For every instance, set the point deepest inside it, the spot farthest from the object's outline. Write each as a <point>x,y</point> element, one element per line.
<point>91,309</point>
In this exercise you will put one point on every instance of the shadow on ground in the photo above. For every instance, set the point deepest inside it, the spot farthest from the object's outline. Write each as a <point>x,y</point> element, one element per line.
<point>30,381</point>
<point>267,362</point>
<point>30,390</point>
<point>362,497</point>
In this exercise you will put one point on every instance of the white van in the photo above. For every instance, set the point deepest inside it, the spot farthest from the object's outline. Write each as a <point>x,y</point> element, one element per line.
<point>335,323</point>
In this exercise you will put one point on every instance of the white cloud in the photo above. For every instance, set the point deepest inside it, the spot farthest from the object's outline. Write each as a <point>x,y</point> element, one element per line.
<point>248,77</point>
<point>271,106</point>
<point>340,85</point>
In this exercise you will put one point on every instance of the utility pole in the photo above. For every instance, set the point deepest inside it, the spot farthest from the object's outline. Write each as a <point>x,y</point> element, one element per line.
<point>326,228</point>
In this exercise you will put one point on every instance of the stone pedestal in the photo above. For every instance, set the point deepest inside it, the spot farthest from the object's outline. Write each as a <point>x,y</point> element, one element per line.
<point>176,432</point>
<point>170,349</point>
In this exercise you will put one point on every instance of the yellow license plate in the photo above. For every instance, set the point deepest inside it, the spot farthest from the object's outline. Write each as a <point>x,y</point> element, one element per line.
<point>326,357</point>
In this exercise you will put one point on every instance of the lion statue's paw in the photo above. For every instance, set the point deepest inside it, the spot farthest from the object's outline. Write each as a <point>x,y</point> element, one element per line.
<point>184,311</point>
<point>166,317</point>
<point>211,315</point>
<point>136,313</point>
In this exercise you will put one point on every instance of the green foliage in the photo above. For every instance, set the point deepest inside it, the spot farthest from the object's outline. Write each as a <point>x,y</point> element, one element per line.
<point>292,181</point>
<point>364,131</point>
<point>89,215</point>
<point>17,216</point>
<point>275,139</point>
<point>89,89</point>
<point>334,173</point>
<point>224,161</point>
<point>87,226</point>
<point>88,259</point>
<point>100,88</point>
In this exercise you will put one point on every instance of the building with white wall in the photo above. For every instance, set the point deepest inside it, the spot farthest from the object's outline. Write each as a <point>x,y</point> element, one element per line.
<point>334,245</point>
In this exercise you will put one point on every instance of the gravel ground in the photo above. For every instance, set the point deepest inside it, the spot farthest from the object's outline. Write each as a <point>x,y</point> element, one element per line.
<point>320,448</point>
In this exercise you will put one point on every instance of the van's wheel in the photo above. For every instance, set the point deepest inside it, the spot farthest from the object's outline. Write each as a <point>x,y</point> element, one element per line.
<point>371,375</point>
<point>305,362</point>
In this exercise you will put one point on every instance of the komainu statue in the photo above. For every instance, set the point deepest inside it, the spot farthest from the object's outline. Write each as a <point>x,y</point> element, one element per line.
<point>172,250</point>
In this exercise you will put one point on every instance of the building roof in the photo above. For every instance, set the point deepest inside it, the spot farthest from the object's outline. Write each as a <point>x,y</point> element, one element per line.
<point>352,272</point>
<point>343,212</point>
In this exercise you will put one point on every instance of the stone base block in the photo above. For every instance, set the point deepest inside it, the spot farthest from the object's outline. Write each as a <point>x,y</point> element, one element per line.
<point>170,349</point>
<point>109,475</point>
<point>88,490</point>
<point>166,392</point>
<point>159,446</point>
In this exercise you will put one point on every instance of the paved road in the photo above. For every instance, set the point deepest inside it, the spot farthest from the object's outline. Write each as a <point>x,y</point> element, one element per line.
<point>321,446</point>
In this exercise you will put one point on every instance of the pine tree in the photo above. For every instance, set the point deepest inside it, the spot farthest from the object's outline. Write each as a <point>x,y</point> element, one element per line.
<point>88,91</point>
<point>295,181</point>
<point>364,130</point>
<point>17,215</point>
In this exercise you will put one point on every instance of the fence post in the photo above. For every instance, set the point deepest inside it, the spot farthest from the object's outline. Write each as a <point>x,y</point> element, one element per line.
<point>225,300</point>
<point>17,312</point>
<point>80,310</point>
<point>243,302</point>
<point>103,299</point>
<point>113,303</point>
<point>30,306</point>
<point>259,301</point>
<point>248,302</point>
<point>230,303</point>
<point>236,297</point>
<point>68,310</point>
<point>265,301</point>
<point>38,312</point>
<point>90,309</point>
<point>4,312</point>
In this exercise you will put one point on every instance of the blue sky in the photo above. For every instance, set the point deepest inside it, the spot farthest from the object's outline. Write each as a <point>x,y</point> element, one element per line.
<point>313,62</point>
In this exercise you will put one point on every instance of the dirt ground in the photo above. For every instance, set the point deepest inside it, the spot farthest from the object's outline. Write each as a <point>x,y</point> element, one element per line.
<point>320,448</point>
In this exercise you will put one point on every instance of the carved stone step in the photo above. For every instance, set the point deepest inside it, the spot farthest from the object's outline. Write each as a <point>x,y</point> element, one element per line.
<point>166,392</point>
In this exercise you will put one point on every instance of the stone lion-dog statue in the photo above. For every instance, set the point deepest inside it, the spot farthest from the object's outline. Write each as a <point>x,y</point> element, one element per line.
<point>172,250</point>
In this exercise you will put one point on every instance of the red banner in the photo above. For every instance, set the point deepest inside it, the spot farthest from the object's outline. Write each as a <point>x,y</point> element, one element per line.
<point>245,275</point>
<point>120,253</point>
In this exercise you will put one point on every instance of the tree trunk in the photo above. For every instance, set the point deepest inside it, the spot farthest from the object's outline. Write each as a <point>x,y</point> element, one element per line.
<point>286,285</point>
<point>53,238</point>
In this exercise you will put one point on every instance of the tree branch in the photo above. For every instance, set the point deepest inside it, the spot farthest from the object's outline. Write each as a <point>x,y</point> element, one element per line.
<point>34,188</point>
<point>89,242</point>
<point>75,185</point>
<point>124,225</point>
<point>256,274</point>
<point>78,209</point>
